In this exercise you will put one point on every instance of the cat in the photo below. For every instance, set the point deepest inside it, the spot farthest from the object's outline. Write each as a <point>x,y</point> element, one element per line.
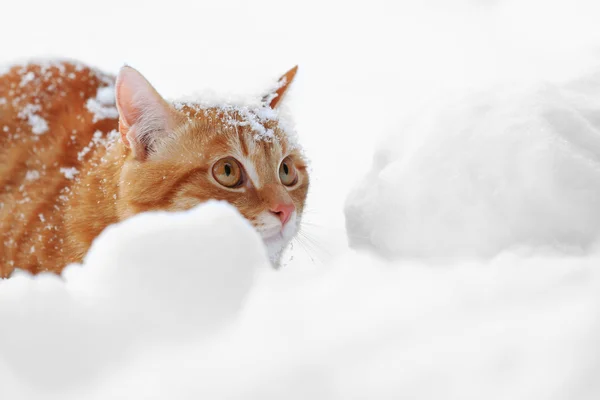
<point>80,150</point>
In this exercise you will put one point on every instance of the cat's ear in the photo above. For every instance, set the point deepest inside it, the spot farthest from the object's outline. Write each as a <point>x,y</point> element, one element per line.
<point>144,116</point>
<point>273,98</point>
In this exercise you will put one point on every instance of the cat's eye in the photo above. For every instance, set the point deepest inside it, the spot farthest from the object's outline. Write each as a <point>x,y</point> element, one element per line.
<point>228,172</point>
<point>287,172</point>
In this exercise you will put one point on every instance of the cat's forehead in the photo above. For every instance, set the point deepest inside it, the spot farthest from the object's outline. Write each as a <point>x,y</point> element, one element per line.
<point>245,131</point>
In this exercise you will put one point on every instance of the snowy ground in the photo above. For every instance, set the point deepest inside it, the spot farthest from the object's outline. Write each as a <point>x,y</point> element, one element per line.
<point>460,138</point>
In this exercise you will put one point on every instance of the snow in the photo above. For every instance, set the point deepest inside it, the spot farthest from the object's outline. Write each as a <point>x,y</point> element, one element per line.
<point>254,114</point>
<point>360,328</point>
<point>99,139</point>
<point>44,62</point>
<point>39,126</point>
<point>504,168</point>
<point>28,77</point>
<point>69,173</point>
<point>141,282</point>
<point>473,267</point>
<point>32,175</point>
<point>103,105</point>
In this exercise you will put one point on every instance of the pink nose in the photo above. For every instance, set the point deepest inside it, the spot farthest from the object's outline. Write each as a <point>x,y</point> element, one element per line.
<point>283,212</point>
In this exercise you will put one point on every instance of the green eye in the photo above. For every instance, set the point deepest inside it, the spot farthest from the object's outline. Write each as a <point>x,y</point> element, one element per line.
<point>228,172</point>
<point>287,172</point>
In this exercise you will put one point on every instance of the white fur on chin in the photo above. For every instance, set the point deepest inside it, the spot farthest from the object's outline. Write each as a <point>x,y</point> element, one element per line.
<point>275,238</point>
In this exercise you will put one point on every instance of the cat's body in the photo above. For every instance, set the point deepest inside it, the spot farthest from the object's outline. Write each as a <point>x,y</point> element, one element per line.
<point>72,161</point>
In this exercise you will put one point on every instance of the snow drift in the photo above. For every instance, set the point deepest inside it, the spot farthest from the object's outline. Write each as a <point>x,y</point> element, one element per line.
<point>154,276</point>
<point>359,329</point>
<point>517,167</point>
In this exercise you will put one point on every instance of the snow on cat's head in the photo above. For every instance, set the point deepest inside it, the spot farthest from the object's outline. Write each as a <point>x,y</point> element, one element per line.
<point>182,154</point>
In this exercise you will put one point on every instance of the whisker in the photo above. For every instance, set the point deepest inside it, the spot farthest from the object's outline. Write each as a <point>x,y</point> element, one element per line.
<point>313,244</point>
<point>305,249</point>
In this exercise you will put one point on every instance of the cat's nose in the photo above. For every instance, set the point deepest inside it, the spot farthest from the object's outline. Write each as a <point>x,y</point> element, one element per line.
<point>283,212</point>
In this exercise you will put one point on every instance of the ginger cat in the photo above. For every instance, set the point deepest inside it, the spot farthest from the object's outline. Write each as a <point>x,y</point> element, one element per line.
<point>80,151</point>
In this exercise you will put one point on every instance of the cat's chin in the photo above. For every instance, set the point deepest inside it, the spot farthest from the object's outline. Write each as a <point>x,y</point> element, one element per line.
<point>275,245</point>
<point>274,237</point>
<point>278,241</point>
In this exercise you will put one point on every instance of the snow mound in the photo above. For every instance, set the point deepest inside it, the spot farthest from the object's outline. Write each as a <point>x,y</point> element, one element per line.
<point>154,276</point>
<point>511,327</point>
<point>505,168</point>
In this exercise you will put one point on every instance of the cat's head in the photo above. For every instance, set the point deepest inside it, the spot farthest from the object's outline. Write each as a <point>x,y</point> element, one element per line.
<point>182,154</point>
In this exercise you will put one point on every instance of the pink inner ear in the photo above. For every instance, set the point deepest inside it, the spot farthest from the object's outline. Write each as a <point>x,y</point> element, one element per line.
<point>133,92</point>
<point>143,113</point>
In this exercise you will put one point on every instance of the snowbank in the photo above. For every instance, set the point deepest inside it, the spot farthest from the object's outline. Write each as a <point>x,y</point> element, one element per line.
<point>505,168</point>
<point>359,329</point>
<point>154,277</point>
